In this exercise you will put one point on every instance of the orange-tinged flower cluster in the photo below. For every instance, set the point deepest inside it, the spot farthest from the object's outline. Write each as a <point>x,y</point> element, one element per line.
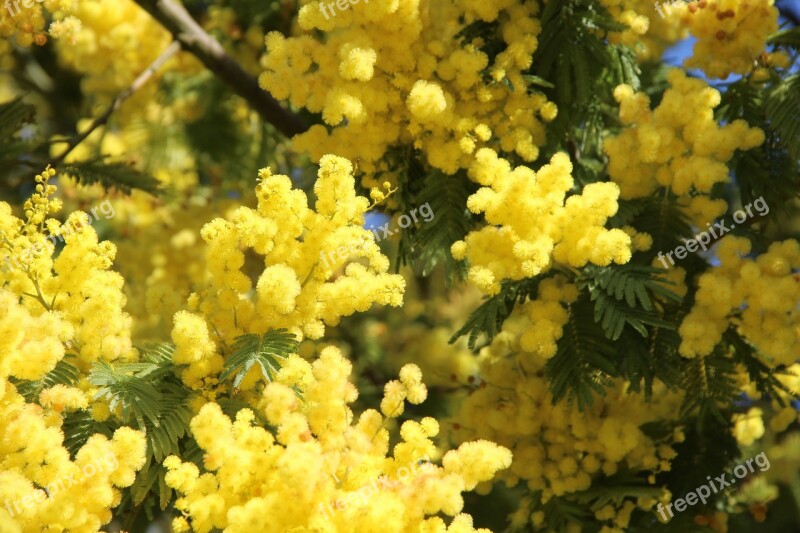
<point>731,34</point>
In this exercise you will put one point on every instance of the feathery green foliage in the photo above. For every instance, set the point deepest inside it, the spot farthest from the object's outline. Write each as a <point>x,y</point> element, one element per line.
<point>622,296</point>
<point>64,373</point>
<point>112,174</point>
<point>266,352</point>
<point>488,318</point>
<point>584,361</point>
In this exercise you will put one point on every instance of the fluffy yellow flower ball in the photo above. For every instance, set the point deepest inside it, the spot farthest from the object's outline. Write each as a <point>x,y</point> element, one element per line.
<point>77,289</point>
<point>79,493</point>
<point>310,276</point>
<point>324,469</point>
<point>748,427</point>
<point>396,74</point>
<point>759,297</point>
<point>731,34</point>
<point>678,145</point>
<point>532,223</point>
<point>426,101</point>
<point>559,449</point>
<point>26,24</point>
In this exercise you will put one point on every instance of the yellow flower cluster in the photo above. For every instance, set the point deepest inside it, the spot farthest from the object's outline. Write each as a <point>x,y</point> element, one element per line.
<point>161,256</point>
<point>627,12</point>
<point>386,74</point>
<point>116,42</point>
<point>731,34</point>
<point>322,470</point>
<point>27,24</point>
<point>410,388</point>
<point>757,296</point>
<point>559,449</point>
<point>195,348</point>
<point>61,398</point>
<point>678,145</point>
<point>296,285</point>
<point>41,489</point>
<point>652,26</point>
<point>531,225</point>
<point>31,345</point>
<point>748,427</point>
<point>42,313</point>
<point>77,287</point>
<point>547,316</point>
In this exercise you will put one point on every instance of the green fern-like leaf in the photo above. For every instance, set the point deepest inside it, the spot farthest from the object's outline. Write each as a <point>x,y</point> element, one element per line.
<point>627,211</point>
<point>122,386</point>
<point>787,37</point>
<point>580,72</point>
<point>768,170</point>
<point>162,441</point>
<point>622,296</point>
<point>710,383</point>
<point>488,318</point>
<point>617,488</point>
<point>760,373</point>
<point>428,244</point>
<point>647,359</point>
<point>64,373</point>
<point>145,481</point>
<point>782,107</point>
<point>174,417</point>
<point>158,361</point>
<point>79,426</point>
<point>150,489</point>
<point>561,514</point>
<point>149,396</point>
<point>625,66</point>
<point>663,220</point>
<point>13,116</point>
<point>266,352</point>
<point>583,364</point>
<point>113,174</point>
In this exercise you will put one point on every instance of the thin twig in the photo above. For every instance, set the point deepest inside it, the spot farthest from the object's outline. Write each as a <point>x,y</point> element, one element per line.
<point>137,84</point>
<point>195,40</point>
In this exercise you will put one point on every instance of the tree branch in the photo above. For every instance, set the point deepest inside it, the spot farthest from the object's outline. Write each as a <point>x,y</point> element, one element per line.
<point>140,80</point>
<point>174,17</point>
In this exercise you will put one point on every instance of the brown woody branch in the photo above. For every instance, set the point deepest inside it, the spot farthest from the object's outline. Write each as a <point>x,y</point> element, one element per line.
<point>194,39</point>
